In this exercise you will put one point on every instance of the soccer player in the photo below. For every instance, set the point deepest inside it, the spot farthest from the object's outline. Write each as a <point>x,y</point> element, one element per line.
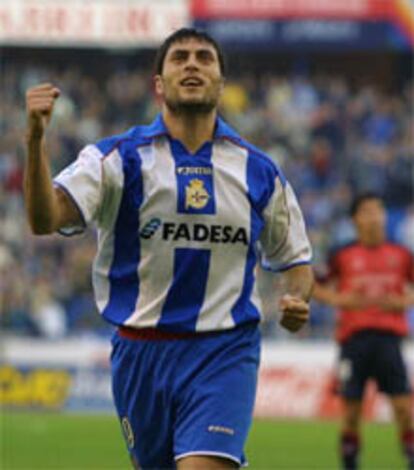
<point>370,288</point>
<point>184,208</point>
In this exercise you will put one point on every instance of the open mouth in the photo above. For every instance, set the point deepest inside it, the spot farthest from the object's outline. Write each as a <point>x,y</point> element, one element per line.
<point>191,82</point>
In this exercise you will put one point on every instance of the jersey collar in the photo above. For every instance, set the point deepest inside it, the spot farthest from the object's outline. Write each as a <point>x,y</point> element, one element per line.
<point>158,128</point>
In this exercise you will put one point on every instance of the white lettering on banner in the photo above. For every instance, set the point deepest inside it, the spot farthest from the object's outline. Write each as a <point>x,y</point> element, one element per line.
<point>361,9</point>
<point>96,22</point>
<point>288,392</point>
<point>320,30</point>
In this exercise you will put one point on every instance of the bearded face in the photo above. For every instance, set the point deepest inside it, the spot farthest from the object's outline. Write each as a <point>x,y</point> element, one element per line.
<point>191,79</point>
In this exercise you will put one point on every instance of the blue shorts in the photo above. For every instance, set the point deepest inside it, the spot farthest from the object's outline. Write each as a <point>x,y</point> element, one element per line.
<point>184,397</point>
<point>376,355</point>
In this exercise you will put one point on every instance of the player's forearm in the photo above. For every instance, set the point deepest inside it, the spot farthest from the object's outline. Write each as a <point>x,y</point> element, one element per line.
<point>298,281</point>
<point>325,295</point>
<point>39,193</point>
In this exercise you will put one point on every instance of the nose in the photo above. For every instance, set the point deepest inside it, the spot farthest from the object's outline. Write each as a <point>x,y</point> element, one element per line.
<point>191,63</point>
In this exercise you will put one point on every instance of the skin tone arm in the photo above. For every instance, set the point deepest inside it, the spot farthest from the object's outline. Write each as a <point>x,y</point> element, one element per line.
<point>47,207</point>
<point>329,295</point>
<point>296,287</point>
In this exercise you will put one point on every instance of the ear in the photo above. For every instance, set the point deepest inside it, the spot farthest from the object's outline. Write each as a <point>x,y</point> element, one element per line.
<point>158,85</point>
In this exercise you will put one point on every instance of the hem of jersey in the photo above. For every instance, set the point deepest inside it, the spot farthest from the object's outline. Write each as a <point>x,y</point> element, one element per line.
<point>75,230</point>
<point>286,267</point>
<point>209,453</point>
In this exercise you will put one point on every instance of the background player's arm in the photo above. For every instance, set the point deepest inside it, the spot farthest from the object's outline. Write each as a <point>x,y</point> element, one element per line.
<point>398,302</point>
<point>47,207</point>
<point>329,294</point>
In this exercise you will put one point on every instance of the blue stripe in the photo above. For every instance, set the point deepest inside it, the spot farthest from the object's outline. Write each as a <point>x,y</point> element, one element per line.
<point>260,178</point>
<point>186,294</point>
<point>267,267</point>
<point>195,192</point>
<point>123,275</point>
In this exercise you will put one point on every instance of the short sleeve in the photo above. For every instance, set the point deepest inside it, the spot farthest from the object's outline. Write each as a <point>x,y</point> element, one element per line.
<point>284,242</point>
<point>82,182</point>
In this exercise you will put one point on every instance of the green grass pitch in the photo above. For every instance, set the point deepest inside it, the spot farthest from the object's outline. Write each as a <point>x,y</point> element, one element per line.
<point>88,442</point>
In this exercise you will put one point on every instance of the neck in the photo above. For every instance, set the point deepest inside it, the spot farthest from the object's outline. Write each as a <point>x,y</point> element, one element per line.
<point>191,129</point>
<point>371,240</point>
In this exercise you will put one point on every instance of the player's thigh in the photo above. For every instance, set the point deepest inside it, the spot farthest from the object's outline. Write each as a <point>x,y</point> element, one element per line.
<point>214,406</point>
<point>205,463</point>
<point>391,372</point>
<point>354,367</point>
<point>142,401</point>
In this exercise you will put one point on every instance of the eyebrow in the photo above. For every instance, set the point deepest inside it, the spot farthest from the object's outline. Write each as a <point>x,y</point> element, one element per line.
<point>197,51</point>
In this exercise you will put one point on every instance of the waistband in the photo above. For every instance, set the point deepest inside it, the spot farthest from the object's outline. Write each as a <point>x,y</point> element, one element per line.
<point>155,334</point>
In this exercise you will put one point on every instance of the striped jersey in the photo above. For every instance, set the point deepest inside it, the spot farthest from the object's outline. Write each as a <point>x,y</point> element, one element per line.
<point>179,234</point>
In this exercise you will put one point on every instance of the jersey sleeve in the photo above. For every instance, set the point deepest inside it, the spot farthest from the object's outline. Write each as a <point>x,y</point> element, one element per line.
<point>410,267</point>
<point>82,182</point>
<point>284,242</point>
<point>329,270</point>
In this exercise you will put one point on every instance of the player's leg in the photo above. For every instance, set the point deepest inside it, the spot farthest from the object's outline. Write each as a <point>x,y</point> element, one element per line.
<point>214,398</point>
<point>141,371</point>
<point>350,433</point>
<point>401,405</point>
<point>199,462</point>
<point>353,372</point>
<point>393,380</point>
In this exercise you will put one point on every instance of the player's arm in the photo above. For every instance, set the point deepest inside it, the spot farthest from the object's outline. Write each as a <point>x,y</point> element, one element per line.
<point>297,284</point>
<point>399,303</point>
<point>392,302</point>
<point>48,208</point>
<point>286,250</point>
<point>327,293</point>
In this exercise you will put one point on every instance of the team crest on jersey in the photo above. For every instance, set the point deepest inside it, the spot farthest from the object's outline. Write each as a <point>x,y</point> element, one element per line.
<point>128,432</point>
<point>196,195</point>
<point>195,190</point>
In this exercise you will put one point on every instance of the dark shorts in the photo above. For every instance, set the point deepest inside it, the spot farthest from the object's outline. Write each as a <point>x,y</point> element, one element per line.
<point>184,397</point>
<point>372,355</point>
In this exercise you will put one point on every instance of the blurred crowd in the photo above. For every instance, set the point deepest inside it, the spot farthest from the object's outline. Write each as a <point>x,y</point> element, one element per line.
<point>332,140</point>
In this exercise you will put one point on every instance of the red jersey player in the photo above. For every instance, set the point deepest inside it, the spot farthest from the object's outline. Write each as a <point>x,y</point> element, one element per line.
<point>369,285</point>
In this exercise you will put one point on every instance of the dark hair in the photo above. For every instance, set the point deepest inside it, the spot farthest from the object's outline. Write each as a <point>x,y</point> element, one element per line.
<point>182,34</point>
<point>361,198</point>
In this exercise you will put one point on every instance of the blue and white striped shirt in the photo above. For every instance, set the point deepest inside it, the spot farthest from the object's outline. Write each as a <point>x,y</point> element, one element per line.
<point>179,234</point>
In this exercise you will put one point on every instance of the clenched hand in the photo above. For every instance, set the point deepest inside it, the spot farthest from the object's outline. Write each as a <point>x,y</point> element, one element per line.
<point>40,100</point>
<point>295,312</point>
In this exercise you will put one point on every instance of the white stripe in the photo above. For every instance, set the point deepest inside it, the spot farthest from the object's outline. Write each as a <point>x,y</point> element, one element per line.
<point>227,262</point>
<point>284,241</point>
<point>156,267</point>
<point>113,180</point>
<point>255,297</point>
<point>208,453</point>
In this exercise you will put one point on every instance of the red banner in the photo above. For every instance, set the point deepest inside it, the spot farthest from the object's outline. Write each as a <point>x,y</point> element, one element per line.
<point>309,393</point>
<point>95,23</point>
<point>292,9</point>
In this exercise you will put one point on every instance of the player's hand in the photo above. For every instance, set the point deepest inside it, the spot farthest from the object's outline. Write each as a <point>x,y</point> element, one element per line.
<point>40,100</point>
<point>393,302</point>
<point>295,312</point>
<point>350,301</point>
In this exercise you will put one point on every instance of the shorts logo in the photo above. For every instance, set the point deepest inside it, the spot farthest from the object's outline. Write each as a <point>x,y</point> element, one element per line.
<point>344,370</point>
<point>221,429</point>
<point>150,228</point>
<point>196,195</point>
<point>128,432</point>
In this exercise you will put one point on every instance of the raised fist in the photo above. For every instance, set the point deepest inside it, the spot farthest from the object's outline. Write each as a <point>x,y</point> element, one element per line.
<point>39,105</point>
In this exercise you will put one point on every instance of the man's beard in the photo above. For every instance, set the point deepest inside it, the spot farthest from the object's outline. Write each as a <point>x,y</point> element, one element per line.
<point>190,107</point>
